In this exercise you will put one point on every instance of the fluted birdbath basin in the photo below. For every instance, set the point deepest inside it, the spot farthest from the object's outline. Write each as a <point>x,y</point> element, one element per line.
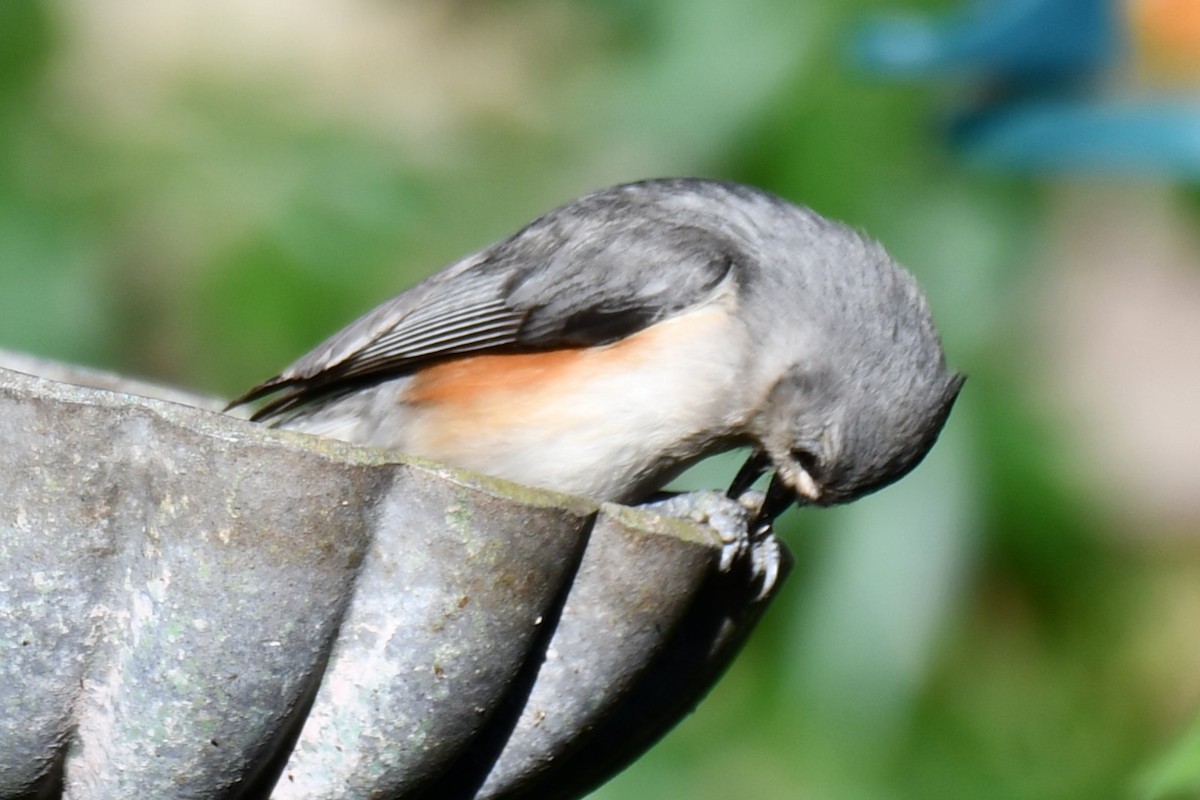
<point>192,605</point>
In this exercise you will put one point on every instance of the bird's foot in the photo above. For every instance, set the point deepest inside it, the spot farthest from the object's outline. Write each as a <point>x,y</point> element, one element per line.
<point>747,541</point>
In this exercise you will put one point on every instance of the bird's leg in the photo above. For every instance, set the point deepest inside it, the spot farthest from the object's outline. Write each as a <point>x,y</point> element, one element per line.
<point>757,464</point>
<point>778,499</point>
<point>778,496</point>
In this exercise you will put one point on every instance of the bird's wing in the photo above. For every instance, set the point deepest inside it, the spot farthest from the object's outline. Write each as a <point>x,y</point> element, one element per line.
<point>557,283</point>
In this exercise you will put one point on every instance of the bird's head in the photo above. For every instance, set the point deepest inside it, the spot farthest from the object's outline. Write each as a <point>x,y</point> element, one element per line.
<point>831,443</point>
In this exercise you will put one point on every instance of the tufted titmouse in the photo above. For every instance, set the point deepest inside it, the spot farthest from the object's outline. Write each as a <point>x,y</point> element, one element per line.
<point>616,340</point>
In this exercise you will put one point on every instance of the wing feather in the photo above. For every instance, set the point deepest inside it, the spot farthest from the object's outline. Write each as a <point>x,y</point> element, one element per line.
<point>588,273</point>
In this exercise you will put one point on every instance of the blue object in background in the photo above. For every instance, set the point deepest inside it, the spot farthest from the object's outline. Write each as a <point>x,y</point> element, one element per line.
<point>1041,65</point>
<point>1154,138</point>
<point>996,37</point>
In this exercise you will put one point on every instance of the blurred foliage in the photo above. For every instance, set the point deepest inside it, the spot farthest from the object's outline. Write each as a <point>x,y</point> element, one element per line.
<point>179,204</point>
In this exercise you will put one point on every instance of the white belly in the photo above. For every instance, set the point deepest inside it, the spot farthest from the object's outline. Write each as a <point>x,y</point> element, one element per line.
<point>612,423</point>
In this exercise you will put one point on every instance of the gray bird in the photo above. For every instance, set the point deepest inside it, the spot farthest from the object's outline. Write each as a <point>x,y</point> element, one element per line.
<point>618,339</point>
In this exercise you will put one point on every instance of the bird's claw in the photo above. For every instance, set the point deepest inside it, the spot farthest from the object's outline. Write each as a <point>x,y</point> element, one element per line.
<point>747,540</point>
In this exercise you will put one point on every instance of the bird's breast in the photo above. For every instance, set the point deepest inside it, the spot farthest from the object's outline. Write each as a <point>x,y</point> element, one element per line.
<point>609,422</point>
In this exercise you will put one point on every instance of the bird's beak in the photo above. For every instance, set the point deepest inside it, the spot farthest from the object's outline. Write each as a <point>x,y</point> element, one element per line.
<point>805,486</point>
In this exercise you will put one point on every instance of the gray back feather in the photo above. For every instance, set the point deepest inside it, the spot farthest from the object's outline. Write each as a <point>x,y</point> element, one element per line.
<point>618,260</point>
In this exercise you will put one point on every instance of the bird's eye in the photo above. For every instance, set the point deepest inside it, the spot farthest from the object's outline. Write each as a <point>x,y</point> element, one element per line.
<point>808,461</point>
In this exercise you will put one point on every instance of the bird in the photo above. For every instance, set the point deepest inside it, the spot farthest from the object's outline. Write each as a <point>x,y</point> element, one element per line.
<point>618,339</point>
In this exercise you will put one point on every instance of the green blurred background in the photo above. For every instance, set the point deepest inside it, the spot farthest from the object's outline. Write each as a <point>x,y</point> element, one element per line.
<point>197,191</point>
